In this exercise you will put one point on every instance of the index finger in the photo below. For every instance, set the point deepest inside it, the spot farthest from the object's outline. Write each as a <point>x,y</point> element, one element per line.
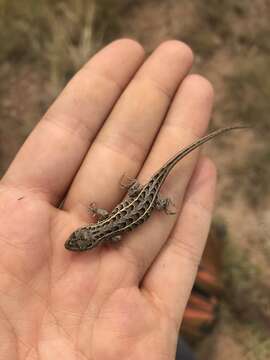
<point>53,152</point>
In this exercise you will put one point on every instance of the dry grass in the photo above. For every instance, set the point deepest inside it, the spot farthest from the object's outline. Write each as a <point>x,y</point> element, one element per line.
<point>242,283</point>
<point>42,45</point>
<point>246,295</point>
<point>250,336</point>
<point>247,98</point>
<point>58,36</point>
<point>238,25</point>
<point>54,35</point>
<point>250,87</point>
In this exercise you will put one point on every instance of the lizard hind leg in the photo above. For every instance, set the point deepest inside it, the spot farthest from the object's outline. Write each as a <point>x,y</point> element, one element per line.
<point>100,214</point>
<point>164,204</point>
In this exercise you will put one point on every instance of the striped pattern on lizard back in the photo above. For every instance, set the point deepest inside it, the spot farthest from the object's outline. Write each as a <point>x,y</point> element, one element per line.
<point>129,213</point>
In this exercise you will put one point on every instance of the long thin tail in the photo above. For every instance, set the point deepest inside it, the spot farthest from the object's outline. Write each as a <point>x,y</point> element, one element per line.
<point>182,153</point>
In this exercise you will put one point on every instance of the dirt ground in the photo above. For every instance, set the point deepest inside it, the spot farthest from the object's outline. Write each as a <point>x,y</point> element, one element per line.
<point>231,46</point>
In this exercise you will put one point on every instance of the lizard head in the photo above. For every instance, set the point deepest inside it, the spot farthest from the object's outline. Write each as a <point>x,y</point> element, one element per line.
<point>80,240</point>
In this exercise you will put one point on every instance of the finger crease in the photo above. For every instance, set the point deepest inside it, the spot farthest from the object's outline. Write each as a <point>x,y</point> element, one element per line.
<point>136,155</point>
<point>107,78</point>
<point>156,84</point>
<point>82,130</point>
<point>185,250</point>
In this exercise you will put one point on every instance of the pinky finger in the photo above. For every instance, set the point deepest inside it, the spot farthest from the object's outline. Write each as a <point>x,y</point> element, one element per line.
<point>170,279</point>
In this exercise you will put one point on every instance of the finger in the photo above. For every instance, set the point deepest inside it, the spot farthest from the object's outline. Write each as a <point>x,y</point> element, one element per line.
<point>49,159</point>
<point>124,141</point>
<point>171,276</point>
<point>186,121</point>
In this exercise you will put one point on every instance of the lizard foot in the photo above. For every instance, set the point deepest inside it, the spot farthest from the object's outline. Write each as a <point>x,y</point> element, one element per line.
<point>100,214</point>
<point>164,204</point>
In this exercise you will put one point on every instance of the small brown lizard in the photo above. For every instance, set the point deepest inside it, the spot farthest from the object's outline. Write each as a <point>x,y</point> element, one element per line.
<point>136,208</point>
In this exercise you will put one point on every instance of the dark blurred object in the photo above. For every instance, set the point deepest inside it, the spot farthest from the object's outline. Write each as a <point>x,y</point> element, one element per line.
<point>202,308</point>
<point>183,351</point>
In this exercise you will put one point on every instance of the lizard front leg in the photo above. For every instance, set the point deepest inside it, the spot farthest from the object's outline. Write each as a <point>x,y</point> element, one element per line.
<point>101,214</point>
<point>116,238</point>
<point>164,204</point>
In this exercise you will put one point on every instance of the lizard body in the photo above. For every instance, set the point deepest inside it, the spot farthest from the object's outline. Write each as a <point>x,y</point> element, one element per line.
<point>136,208</point>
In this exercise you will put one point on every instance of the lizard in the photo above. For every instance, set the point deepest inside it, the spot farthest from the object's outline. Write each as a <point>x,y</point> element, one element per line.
<point>136,208</point>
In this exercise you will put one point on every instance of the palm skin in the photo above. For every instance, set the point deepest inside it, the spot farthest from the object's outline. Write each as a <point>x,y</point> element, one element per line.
<point>118,301</point>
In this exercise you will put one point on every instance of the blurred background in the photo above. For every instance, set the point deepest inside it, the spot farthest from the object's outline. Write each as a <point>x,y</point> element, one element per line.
<point>43,43</point>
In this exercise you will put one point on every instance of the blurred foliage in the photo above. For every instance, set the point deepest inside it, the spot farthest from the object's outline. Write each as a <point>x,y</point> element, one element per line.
<point>251,91</point>
<point>247,98</point>
<point>247,296</point>
<point>109,17</point>
<point>57,35</point>
<point>249,336</point>
<point>227,23</point>
<point>242,283</point>
<point>255,183</point>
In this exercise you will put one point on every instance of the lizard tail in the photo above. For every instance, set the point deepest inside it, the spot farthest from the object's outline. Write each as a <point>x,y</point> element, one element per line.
<point>167,167</point>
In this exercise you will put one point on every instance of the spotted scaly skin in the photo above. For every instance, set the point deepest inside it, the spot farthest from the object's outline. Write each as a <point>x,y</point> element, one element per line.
<point>136,208</point>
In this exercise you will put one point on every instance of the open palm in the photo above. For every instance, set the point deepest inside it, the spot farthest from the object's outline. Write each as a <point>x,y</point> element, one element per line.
<point>120,114</point>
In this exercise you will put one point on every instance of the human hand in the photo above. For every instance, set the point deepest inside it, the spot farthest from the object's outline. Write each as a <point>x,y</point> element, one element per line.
<point>119,114</point>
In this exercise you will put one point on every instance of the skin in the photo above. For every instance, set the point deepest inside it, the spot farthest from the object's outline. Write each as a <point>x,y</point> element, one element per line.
<point>121,113</point>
